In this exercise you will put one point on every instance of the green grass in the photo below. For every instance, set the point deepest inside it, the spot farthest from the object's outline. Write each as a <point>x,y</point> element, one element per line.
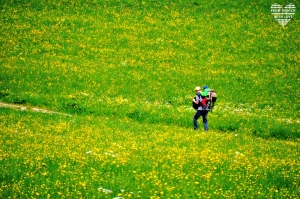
<point>126,71</point>
<point>60,156</point>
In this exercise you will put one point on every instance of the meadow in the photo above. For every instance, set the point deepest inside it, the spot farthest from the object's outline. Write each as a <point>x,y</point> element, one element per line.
<point>126,71</point>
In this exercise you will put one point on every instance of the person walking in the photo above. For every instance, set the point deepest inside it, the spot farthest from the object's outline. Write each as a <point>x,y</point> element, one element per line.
<point>201,111</point>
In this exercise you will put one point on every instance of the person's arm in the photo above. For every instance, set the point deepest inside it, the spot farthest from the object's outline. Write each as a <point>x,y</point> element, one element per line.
<point>195,101</point>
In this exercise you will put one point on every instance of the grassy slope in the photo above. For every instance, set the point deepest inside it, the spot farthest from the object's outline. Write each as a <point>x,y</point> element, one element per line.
<point>111,59</point>
<point>128,70</point>
<point>59,156</point>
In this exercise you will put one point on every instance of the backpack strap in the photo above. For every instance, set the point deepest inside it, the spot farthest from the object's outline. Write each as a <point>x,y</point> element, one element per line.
<point>200,98</point>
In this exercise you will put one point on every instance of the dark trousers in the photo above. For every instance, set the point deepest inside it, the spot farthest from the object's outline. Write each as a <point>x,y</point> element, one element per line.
<point>204,119</point>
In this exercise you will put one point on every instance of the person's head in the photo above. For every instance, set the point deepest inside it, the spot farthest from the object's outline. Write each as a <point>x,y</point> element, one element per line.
<point>205,87</point>
<point>197,89</point>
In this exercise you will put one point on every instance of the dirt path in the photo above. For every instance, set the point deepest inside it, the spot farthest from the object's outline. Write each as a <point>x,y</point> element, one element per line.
<point>26,108</point>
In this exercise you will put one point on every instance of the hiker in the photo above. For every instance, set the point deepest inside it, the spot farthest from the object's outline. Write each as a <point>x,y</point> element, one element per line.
<point>201,110</point>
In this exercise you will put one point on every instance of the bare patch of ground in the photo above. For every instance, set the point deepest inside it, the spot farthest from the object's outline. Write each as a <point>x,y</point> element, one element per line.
<point>27,108</point>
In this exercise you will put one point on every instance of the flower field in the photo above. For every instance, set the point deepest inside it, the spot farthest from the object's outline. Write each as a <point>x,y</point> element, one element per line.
<point>51,156</point>
<point>123,73</point>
